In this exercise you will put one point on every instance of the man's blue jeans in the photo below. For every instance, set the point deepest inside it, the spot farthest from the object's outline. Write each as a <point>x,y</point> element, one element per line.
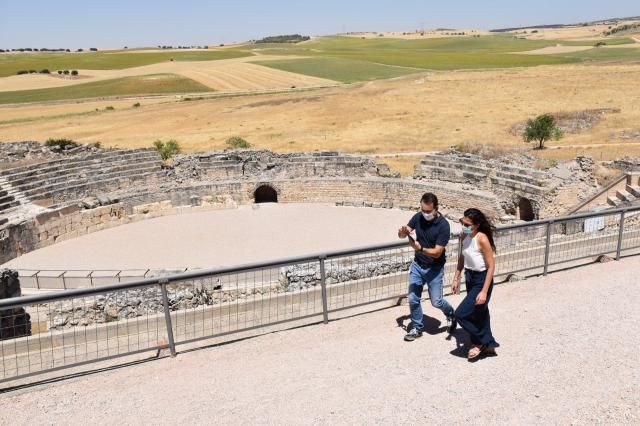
<point>432,277</point>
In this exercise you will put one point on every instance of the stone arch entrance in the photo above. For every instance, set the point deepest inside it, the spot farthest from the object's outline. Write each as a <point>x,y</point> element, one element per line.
<point>265,194</point>
<point>526,210</point>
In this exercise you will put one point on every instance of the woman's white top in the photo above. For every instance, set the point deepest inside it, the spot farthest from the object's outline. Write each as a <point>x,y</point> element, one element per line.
<point>473,258</point>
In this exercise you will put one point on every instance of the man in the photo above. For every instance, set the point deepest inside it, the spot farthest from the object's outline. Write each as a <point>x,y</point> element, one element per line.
<point>432,236</point>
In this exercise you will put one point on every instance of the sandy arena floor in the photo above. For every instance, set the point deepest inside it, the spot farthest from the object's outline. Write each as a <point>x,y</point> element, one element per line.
<point>222,238</point>
<point>568,355</point>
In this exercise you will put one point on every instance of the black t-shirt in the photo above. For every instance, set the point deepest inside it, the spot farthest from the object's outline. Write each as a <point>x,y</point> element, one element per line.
<point>429,234</point>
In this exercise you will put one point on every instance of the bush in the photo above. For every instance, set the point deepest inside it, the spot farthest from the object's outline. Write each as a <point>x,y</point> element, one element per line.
<point>93,49</point>
<point>44,71</point>
<point>600,43</point>
<point>33,72</point>
<point>74,72</point>
<point>22,72</point>
<point>167,149</point>
<point>79,50</point>
<point>60,72</point>
<point>65,72</point>
<point>97,144</point>
<point>136,105</point>
<point>109,108</point>
<point>61,143</point>
<point>236,142</point>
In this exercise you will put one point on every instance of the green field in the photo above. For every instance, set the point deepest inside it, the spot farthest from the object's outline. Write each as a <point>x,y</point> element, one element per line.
<point>435,54</point>
<point>338,69</point>
<point>11,63</point>
<point>344,59</point>
<point>140,85</point>
<point>622,54</point>
<point>350,59</point>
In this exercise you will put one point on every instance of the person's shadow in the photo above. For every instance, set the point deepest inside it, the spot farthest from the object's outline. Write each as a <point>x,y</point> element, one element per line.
<point>433,326</point>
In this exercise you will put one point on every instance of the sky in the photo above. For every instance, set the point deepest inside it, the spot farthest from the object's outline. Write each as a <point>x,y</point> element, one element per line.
<point>119,23</point>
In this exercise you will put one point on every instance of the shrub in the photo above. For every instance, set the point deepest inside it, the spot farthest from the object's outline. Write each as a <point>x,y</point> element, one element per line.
<point>61,143</point>
<point>74,72</point>
<point>97,144</point>
<point>44,71</point>
<point>109,108</point>
<point>93,49</point>
<point>79,50</point>
<point>236,142</point>
<point>65,72</point>
<point>33,72</point>
<point>600,43</point>
<point>22,72</point>
<point>136,105</point>
<point>167,149</point>
<point>60,72</point>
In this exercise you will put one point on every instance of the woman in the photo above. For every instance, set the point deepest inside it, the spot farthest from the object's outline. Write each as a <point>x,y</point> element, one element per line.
<point>477,260</point>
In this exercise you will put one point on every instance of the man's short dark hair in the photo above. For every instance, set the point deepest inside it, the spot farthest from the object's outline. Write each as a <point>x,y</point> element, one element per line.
<point>430,198</point>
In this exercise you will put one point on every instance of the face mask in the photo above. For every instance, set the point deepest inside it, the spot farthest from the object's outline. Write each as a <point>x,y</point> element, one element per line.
<point>428,216</point>
<point>467,229</point>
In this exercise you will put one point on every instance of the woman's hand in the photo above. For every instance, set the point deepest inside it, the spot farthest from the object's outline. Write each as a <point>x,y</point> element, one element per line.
<point>454,285</point>
<point>481,298</point>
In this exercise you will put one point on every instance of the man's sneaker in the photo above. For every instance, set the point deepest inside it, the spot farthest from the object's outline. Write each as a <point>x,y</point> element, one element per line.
<point>412,335</point>
<point>452,323</point>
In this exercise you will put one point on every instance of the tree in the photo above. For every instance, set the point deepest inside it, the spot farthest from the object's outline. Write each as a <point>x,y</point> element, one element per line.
<point>167,149</point>
<point>236,142</point>
<point>541,129</point>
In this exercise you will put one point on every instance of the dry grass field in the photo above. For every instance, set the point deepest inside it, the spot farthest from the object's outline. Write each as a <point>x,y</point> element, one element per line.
<point>576,32</point>
<point>421,112</point>
<point>221,75</point>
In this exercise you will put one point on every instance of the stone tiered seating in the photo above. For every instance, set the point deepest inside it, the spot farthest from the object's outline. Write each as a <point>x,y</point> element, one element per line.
<point>68,179</point>
<point>7,201</point>
<point>452,170</point>
<point>478,171</point>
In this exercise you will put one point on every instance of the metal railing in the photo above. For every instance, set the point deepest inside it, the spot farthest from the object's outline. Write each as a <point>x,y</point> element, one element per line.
<point>83,326</point>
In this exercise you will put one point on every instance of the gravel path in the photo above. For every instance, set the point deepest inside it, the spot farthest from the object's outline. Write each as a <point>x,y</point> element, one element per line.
<point>569,355</point>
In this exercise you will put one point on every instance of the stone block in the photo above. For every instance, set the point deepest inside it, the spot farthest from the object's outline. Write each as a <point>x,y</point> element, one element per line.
<point>45,217</point>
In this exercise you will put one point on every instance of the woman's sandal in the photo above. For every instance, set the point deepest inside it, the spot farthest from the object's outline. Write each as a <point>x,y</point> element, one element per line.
<point>475,351</point>
<point>489,351</point>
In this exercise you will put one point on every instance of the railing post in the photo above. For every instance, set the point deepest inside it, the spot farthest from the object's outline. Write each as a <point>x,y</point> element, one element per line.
<point>323,286</point>
<point>64,281</point>
<point>620,234</point>
<point>547,247</point>
<point>37,281</point>
<point>167,315</point>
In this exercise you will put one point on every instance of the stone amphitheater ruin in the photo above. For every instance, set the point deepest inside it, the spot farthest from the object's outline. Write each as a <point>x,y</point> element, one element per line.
<point>47,197</point>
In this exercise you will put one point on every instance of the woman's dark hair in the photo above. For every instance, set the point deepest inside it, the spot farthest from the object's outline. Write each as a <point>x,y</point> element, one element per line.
<point>430,198</point>
<point>484,226</point>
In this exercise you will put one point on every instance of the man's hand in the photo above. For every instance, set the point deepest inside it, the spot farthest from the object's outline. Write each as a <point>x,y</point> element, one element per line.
<point>481,298</point>
<point>403,231</point>
<point>414,244</point>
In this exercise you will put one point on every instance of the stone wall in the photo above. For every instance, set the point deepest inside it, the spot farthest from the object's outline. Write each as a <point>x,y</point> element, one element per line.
<point>262,164</point>
<point>80,219</point>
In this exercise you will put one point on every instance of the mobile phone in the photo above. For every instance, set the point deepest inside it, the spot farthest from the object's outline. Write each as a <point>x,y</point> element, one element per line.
<point>410,237</point>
